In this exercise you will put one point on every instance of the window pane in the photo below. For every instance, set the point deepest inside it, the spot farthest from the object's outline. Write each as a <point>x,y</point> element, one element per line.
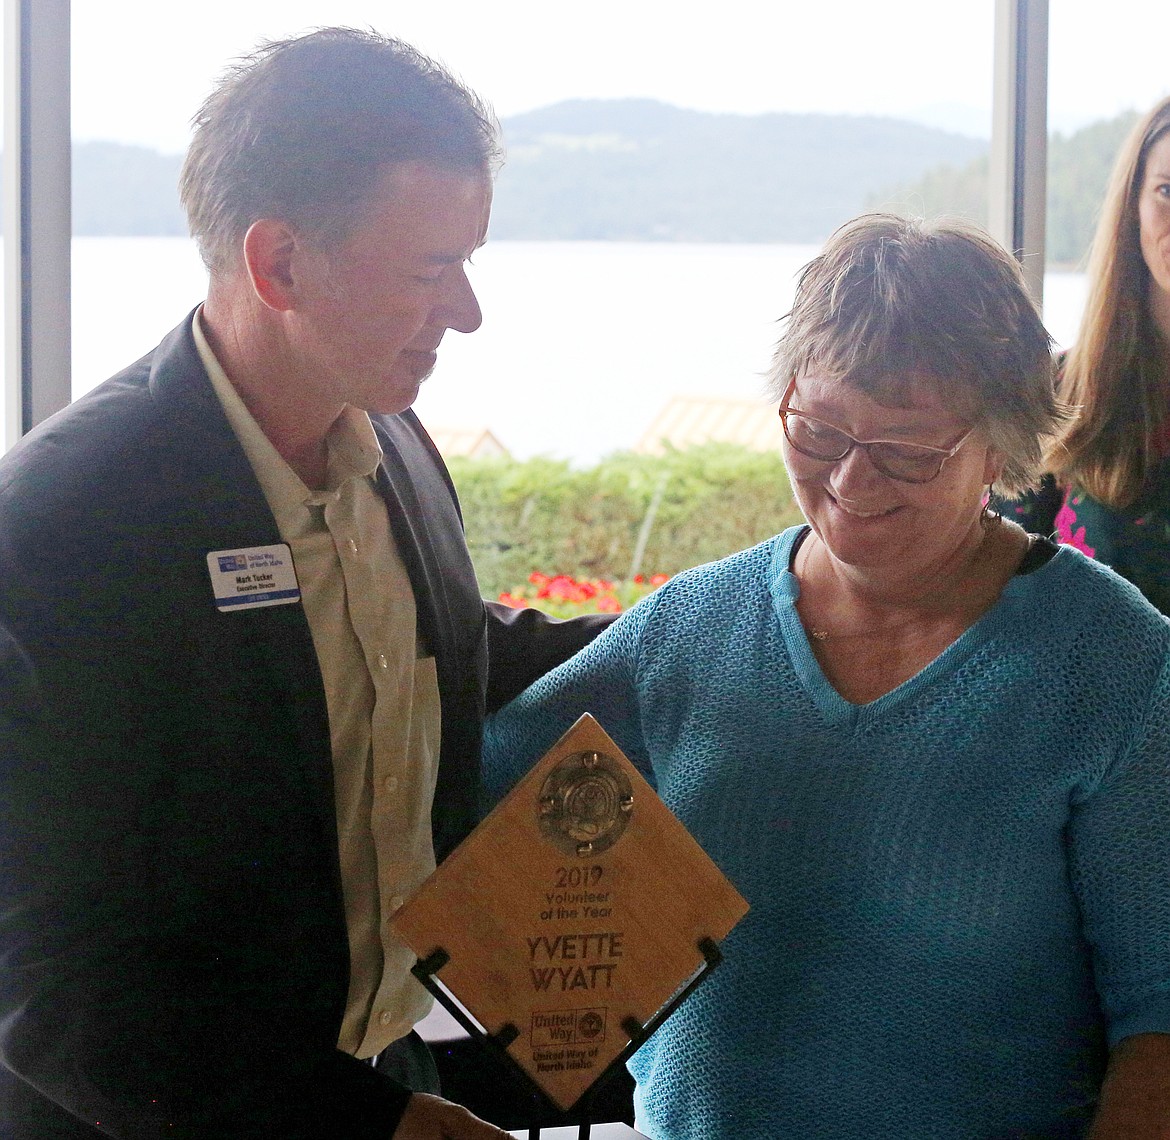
<point>1103,73</point>
<point>646,235</point>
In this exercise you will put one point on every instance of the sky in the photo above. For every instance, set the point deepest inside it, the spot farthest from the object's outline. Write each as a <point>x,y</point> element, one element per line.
<point>141,67</point>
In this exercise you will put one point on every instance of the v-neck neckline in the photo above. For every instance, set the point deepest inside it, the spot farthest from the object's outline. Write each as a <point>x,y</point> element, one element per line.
<point>836,709</point>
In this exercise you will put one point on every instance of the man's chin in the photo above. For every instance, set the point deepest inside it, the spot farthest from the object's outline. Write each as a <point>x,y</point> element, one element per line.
<point>420,364</point>
<point>397,396</point>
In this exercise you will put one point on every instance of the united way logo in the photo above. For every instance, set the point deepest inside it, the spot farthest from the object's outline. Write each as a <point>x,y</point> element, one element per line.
<point>229,563</point>
<point>590,1025</point>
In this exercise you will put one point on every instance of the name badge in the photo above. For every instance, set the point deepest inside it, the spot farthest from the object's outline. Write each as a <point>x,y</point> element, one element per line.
<point>253,577</point>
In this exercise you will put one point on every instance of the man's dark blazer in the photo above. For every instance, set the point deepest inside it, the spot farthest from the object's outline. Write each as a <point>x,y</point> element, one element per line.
<point>173,952</point>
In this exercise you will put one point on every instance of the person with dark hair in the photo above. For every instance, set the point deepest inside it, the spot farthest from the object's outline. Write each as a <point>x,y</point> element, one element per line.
<point>239,572</point>
<point>1109,488</point>
<point>930,751</point>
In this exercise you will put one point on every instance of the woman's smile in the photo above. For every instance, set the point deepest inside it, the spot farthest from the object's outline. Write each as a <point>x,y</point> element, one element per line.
<point>859,511</point>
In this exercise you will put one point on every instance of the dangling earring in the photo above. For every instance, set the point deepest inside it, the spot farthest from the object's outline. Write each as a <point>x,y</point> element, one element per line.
<point>988,517</point>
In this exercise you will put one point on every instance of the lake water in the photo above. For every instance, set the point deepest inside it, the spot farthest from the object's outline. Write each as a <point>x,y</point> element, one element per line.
<point>582,344</point>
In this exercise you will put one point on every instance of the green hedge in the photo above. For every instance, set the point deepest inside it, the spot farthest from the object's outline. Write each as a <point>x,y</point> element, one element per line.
<point>683,508</point>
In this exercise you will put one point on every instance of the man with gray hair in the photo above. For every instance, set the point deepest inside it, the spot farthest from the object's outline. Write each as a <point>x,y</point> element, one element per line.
<point>239,574</point>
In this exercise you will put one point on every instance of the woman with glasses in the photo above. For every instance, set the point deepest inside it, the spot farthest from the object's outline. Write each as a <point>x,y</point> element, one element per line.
<point>1110,494</point>
<point>932,752</point>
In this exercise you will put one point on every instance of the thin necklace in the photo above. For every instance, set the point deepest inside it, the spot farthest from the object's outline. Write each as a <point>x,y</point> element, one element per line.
<point>822,635</point>
<point>825,635</point>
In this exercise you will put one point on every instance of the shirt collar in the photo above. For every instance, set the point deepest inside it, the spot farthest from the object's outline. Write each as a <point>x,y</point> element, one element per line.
<point>351,444</point>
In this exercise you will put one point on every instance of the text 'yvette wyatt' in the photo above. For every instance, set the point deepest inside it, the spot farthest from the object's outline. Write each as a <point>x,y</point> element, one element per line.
<point>597,953</point>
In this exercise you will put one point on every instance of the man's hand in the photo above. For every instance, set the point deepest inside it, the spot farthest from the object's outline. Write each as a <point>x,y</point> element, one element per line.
<point>1135,1096</point>
<point>432,1118</point>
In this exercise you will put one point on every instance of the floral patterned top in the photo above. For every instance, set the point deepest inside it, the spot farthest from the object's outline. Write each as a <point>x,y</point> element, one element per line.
<point>1134,541</point>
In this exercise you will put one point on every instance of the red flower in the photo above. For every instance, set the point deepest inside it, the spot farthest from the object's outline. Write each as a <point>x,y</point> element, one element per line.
<point>658,579</point>
<point>513,600</point>
<point>562,588</point>
<point>608,604</point>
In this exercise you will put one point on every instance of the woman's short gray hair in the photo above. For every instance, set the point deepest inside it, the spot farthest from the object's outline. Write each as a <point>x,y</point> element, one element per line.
<point>892,300</point>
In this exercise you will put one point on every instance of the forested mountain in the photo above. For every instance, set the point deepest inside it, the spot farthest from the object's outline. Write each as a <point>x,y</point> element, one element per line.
<point>1078,169</point>
<point>638,170</point>
<point>633,170</point>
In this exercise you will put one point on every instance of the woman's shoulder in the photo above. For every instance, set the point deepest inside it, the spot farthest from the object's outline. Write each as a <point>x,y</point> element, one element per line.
<point>735,571</point>
<point>1084,639</point>
<point>1073,595</point>
<point>715,594</point>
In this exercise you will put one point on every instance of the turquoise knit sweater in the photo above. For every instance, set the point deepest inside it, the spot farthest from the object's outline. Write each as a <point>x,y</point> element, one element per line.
<point>960,892</point>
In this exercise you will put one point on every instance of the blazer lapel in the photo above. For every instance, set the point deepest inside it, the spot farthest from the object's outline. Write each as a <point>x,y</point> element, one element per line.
<point>219,505</point>
<point>425,521</point>
<point>398,483</point>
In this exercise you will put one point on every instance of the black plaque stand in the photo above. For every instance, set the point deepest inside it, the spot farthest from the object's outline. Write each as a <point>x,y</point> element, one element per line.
<point>497,1043</point>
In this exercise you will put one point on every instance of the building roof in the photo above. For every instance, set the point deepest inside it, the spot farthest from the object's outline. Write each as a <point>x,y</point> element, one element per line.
<point>689,420</point>
<point>475,443</point>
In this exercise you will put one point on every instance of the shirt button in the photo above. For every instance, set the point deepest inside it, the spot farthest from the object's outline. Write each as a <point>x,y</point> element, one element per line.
<point>390,783</point>
<point>382,662</point>
<point>385,1017</point>
<point>353,547</point>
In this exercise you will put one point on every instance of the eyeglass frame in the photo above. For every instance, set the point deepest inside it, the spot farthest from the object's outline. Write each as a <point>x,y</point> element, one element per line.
<point>943,452</point>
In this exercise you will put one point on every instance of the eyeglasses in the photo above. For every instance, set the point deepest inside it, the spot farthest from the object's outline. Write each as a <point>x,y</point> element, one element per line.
<point>905,462</point>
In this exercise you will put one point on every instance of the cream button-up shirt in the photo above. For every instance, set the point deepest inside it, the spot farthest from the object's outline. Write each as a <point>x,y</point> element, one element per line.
<point>382,699</point>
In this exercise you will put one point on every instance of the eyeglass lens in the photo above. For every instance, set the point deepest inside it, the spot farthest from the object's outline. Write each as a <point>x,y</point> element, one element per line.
<point>906,462</point>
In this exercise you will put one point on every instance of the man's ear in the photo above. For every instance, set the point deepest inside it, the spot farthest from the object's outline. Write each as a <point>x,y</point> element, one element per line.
<point>269,246</point>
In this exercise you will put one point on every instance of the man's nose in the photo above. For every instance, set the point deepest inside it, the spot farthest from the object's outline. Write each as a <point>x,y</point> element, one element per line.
<point>461,310</point>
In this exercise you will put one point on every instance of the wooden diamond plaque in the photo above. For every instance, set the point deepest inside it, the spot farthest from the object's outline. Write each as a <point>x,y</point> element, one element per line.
<point>575,910</point>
